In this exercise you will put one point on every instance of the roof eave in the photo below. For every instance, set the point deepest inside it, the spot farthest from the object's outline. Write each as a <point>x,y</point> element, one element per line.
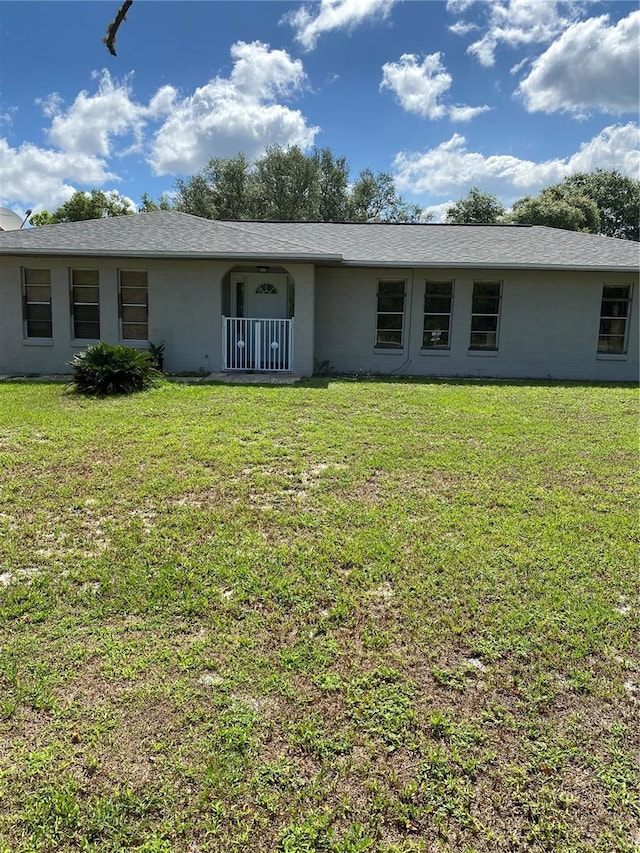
<point>176,256</point>
<point>493,266</point>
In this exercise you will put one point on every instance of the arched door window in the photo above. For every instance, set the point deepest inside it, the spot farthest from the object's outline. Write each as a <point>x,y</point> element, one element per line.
<point>266,287</point>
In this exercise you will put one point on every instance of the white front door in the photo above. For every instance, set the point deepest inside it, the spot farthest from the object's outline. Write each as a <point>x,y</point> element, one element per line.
<point>266,295</point>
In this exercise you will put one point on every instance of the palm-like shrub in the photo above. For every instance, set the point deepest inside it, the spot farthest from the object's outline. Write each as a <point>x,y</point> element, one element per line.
<point>103,369</point>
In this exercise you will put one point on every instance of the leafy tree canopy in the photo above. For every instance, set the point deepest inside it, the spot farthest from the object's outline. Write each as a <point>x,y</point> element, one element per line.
<point>558,206</point>
<point>148,205</point>
<point>476,208</point>
<point>83,205</point>
<point>617,199</point>
<point>288,185</point>
<point>599,202</point>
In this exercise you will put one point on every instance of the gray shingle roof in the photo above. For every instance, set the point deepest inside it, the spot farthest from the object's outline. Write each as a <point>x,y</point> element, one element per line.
<point>169,234</point>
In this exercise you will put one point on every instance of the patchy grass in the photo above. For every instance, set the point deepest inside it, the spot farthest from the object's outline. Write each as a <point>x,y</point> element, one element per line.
<point>342,616</point>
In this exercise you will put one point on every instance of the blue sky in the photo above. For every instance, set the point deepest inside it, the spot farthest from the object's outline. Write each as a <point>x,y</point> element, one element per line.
<point>508,95</point>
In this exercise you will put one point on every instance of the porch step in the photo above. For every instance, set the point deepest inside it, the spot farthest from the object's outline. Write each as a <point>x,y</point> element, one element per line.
<point>237,378</point>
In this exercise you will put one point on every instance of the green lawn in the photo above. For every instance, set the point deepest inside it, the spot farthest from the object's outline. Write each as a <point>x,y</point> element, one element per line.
<point>341,616</point>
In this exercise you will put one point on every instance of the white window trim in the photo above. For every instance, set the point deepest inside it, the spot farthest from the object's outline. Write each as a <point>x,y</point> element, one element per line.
<point>83,341</point>
<point>616,356</point>
<point>391,350</point>
<point>132,342</point>
<point>431,351</point>
<point>26,338</point>
<point>473,352</point>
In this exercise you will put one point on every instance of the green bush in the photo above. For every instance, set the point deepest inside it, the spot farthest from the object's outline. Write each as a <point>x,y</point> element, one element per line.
<point>102,369</point>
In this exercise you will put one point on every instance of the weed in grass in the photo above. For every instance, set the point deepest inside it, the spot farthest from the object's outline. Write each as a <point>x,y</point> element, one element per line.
<point>310,835</point>
<point>310,736</point>
<point>381,705</point>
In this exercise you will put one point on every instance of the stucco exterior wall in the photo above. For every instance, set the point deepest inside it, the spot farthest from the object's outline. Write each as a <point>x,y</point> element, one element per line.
<point>185,312</point>
<point>548,325</point>
<point>548,320</point>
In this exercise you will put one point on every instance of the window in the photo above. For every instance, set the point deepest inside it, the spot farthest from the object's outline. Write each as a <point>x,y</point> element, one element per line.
<point>485,312</point>
<point>390,317</point>
<point>134,305</point>
<point>85,305</point>
<point>267,287</point>
<point>239,298</point>
<point>614,314</point>
<point>37,304</point>
<point>438,298</point>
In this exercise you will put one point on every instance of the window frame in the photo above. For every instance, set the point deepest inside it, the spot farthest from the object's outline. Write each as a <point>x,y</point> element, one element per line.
<point>435,347</point>
<point>607,298</point>
<point>122,306</point>
<point>387,347</point>
<point>72,287</point>
<point>26,302</point>
<point>476,349</point>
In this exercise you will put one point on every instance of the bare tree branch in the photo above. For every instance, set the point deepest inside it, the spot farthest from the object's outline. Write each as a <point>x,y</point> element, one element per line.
<point>112,29</point>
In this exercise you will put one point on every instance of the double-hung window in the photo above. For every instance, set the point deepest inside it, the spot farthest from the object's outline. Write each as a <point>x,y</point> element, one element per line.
<point>36,303</point>
<point>485,314</point>
<point>390,315</point>
<point>85,305</point>
<point>438,302</point>
<point>134,305</point>
<point>614,318</point>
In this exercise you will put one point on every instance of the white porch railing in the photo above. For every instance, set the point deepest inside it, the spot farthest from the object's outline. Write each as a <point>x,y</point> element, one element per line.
<point>257,344</point>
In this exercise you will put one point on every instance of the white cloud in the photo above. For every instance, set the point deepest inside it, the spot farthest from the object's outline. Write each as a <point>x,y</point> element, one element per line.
<point>438,211</point>
<point>591,65</point>
<point>39,177</point>
<point>615,147</point>
<point>91,122</point>
<point>451,167</point>
<point>227,115</point>
<point>310,22</point>
<point>459,113</point>
<point>234,114</point>
<point>264,74</point>
<point>419,87</point>
<point>6,118</point>
<point>516,22</point>
<point>456,7</point>
<point>462,29</point>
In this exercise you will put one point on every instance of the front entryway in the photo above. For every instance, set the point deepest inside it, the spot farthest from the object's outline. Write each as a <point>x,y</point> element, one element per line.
<point>260,337</point>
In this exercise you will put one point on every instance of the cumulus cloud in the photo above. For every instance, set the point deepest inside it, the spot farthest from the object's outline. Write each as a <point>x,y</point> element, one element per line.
<point>174,134</point>
<point>438,212</point>
<point>6,118</point>
<point>608,76</point>
<point>515,22</point>
<point>310,22</point>
<point>451,166</point>
<point>419,86</point>
<point>40,177</point>
<point>234,114</point>
<point>91,122</point>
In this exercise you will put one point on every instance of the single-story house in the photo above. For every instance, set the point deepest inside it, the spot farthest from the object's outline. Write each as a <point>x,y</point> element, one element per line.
<point>302,297</point>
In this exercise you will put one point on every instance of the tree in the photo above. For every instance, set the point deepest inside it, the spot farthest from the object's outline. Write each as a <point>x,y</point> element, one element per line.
<point>83,205</point>
<point>333,190</point>
<point>476,208</point>
<point>617,199</point>
<point>286,184</point>
<point>222,190</point>
<point>558,206</point>
<point>148,205</point>
<point>374,199</point>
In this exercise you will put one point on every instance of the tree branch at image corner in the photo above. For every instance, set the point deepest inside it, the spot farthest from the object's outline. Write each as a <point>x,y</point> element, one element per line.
<point>114,26</point>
